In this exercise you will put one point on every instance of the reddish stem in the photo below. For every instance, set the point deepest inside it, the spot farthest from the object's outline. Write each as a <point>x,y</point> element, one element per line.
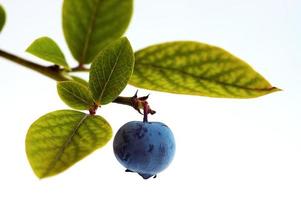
<point>146,111</point>
<point>93,109</point>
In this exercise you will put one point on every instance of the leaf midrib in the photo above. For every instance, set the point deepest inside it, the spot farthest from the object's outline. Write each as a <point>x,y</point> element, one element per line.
<point>65,145</point>
<point>76,96</point>
<point>110,75</point>
<point>89,33</point>
<point>206,79</point>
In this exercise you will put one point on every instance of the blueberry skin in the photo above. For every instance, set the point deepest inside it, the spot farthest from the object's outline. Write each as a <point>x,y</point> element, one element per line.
<point>144,147</point>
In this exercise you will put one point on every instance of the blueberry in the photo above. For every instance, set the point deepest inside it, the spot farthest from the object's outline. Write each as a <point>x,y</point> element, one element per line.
<point>144,147</point>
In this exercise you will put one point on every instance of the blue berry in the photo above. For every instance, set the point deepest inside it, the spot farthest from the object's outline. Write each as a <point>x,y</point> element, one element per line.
<point>144,147</point>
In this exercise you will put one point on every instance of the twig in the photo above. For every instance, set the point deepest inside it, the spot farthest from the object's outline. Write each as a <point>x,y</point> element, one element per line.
<point>53,72</point>
<point>56,73</point>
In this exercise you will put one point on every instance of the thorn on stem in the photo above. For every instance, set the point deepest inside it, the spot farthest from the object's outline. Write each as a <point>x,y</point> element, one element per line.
<point>136,94</point>
<point>144,98</point>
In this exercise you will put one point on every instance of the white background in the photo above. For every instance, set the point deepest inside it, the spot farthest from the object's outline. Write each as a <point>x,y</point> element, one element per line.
<point>226,149</point>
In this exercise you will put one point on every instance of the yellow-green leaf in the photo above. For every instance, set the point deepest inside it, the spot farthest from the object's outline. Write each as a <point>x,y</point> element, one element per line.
<point>75,95</point>
<point>90,25</point>
<point>2,17</point>
<point>197,69</point>
<point>46,48</point>
<point>111,71</point>
<point>61,138</point>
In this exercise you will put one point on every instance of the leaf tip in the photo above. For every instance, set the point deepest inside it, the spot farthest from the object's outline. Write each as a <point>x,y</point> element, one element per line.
<point>40,177</point>
<point>275,89</point>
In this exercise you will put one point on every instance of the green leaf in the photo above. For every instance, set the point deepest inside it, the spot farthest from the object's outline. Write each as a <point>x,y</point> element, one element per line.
<point>197,69</point>
<point>90,25</point>
<point>2,17</point>
<point>80,80</point>
<point>111,70</point>
<point>45,48</point>
<point>75,95</point>
<point>61,138</point>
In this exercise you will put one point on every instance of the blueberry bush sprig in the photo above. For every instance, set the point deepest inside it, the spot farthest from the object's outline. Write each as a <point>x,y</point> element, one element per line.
<point>94,31</point>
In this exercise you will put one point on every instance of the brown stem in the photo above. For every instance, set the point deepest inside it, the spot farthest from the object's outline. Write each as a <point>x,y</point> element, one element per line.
<point>124,100</point>
<point>56,73</point>
<point>80,68</point>
<point>53,72</point>
<point>137,103</point>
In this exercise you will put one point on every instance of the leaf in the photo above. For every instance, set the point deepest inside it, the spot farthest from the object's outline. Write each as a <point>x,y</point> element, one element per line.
<point>75,95</point>
<point>111,70</point>
<point>90,25</point>
<point>2,17</point>
<point>80,80</point>
<point>45,48</point>
<point>197,69</point>
<point>61,138</point>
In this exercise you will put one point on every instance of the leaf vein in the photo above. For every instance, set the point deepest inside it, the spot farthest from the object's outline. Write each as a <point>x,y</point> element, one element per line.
<point>65,145</point>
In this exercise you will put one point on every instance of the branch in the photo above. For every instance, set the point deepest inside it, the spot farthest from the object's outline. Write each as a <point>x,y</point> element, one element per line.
<point>125,101</point>
<point>53,72</point>
<point>56,73</point>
